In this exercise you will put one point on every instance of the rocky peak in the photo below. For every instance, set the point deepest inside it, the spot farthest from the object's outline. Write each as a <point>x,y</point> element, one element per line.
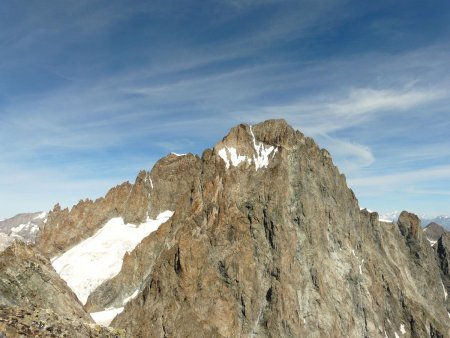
<point>255,146</point>
<point>268,240</point>
<point>433,232</point>
<point>409,225</point>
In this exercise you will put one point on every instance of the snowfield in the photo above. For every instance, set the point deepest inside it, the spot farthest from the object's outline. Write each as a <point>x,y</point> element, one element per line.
<point>106,317</point>
<point>99,258</point>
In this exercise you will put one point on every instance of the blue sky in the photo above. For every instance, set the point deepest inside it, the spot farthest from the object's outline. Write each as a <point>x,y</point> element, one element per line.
<point>93,91</point>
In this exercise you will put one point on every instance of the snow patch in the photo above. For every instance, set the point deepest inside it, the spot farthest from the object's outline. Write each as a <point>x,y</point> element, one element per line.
<point>29,227</point>
<point>360,267</point>
<point>432,242</point>
<point>262,152</point>
<point>177,154</point>
<point>223,154</point>
<point>402,329</point>
<point>396,335</point>
<point>99,258</point>
<point>261,157</point>
<point>133,296</point>
<point>41,215</point>
<point>106,317</point>
<point>19,228</point>
<point>230,155</point>
<point>445,291</point>
<point>235,158</point>
<point>386,220</point>
<point>149,179</point>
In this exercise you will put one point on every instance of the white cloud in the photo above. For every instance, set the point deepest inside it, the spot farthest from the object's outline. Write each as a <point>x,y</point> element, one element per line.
<point>354,156</point>
<point>319,115</point>
<point>363,101</point>
<point>402,178</point>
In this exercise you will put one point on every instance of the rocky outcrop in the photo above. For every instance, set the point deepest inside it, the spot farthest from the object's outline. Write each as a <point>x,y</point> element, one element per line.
<point>27,280</point>
<point>66,228</point>
<point>442,249</point>
<point>267,240</point>
<point>19,322</point>
<point>152,193</point>
<point>172,180</point>
<point>433,231</point>
<point>36,302</point>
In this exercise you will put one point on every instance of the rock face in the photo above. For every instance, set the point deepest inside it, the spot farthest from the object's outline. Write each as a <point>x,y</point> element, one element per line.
<point>28,280</point>
<point>36,302</point>
<point>172,180</point>
<point>442,249</point>
<point>267,240</point>
<point>65,228</point>
<point>433,231</point>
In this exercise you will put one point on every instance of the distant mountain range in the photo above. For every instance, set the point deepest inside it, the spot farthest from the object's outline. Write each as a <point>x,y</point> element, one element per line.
<point>23,226</point>
<point>442,220</point>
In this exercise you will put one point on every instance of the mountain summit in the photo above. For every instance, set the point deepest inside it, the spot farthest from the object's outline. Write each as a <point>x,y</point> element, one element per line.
<point>262,238</point>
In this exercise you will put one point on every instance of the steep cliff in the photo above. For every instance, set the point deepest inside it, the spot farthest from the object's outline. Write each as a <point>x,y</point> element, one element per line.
<point>28,280</point>
<point>36,302</point>
<point>442,249</point>
<point>267,240</point>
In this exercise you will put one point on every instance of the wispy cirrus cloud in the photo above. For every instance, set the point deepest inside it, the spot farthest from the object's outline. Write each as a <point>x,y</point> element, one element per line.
<point>413,176</point>
<point>95,89</point>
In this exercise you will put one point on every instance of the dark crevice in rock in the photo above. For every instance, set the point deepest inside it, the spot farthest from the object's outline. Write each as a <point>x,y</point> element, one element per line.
<point>269,295</point>
<point>223,272</point>
<point>243,306</point>
<point>269,228</point>
<point>177,262</point>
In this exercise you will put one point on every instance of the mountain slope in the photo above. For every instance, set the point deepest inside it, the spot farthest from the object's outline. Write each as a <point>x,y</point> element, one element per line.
<point>444,221</point>
<point>269,241</point>
<point>433,232</point>
<point>28,280</point>
<point>266,239</point>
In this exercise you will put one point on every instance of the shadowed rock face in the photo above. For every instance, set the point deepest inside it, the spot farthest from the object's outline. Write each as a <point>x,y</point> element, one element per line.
<point>267,240</point>
<point>442,249</point>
